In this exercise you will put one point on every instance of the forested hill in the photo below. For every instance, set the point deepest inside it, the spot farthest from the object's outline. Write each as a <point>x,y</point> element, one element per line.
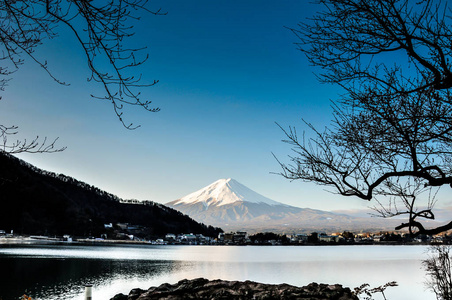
<point>34,201</point>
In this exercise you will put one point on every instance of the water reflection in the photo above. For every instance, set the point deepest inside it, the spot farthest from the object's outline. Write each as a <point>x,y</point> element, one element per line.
<point>61,272</point>
<point>54,278</point>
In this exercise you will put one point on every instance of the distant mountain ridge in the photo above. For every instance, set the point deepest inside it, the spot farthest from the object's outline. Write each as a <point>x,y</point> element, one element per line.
<point>232,206</point>
<point>34,201</point>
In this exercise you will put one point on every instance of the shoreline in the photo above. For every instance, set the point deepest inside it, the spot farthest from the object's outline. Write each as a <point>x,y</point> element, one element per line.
<point>43,240</point>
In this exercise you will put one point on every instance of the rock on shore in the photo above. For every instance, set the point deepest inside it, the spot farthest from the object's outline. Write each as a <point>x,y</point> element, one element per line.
<point>201,288</point>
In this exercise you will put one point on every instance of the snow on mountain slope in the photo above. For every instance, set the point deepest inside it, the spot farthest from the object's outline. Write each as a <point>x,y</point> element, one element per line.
<point>232,206</point>
<point>224,192</point>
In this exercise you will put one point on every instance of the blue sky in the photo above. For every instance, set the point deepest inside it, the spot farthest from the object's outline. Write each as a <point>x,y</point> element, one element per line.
<point>228,70</point>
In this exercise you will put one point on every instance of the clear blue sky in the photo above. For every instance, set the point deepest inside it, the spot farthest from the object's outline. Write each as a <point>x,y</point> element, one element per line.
<point>228,71</point>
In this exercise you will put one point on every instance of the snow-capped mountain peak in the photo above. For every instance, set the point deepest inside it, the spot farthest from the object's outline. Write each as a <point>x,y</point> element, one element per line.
<point>232,206</point>
<point>223,192</point>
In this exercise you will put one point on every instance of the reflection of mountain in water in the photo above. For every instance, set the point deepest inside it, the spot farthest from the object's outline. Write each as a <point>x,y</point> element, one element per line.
<point>65,278</point>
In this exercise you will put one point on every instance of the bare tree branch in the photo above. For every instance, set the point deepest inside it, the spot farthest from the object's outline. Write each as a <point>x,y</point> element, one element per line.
<point>347,38</point>
<point>101,29</point>
<point>35,145</point>
<point>438,268</point>
<point>391,133</point>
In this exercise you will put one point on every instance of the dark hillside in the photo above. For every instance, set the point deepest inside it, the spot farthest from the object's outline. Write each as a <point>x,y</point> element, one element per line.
<point>34,201</point>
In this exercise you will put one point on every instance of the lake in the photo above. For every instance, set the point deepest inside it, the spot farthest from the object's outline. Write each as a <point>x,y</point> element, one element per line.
<point>61,272</point>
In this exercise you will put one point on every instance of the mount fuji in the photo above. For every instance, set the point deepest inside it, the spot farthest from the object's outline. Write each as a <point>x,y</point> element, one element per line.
<point>232,206</point>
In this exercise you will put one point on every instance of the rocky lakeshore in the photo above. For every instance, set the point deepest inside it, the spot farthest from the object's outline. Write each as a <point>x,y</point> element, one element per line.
<point>201,288</point>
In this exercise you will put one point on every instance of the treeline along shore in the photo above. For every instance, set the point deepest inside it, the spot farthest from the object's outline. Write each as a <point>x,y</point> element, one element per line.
<point>239,238</point>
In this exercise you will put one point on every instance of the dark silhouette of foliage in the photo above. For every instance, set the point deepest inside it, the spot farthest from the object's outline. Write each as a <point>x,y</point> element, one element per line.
<point>266,237</point>
<point>390,138</point>
<point>40,202</point>
<point>313,237</point>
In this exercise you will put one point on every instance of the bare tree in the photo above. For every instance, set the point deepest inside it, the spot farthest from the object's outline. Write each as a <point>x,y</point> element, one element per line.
<point>390,138</point>
<point>382,147</point>
<point>101,29</point>
<point>352,39</point>
<point>439,272</point>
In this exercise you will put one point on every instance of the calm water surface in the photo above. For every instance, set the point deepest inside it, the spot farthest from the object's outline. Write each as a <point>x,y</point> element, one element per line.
<point>61,272</point>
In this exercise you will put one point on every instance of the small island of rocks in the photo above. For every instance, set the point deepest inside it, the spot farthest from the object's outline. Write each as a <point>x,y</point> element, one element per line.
<point>201,288</point>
